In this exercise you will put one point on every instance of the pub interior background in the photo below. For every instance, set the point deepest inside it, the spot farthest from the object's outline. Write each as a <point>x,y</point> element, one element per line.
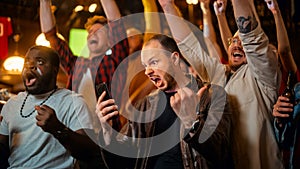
<point>24,15</point>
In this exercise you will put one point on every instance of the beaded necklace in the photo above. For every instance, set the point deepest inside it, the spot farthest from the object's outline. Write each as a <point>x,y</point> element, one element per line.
<point>28,115</point>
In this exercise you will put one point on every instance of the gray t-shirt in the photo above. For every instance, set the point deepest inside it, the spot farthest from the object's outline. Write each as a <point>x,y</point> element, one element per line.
<point>31,147</point>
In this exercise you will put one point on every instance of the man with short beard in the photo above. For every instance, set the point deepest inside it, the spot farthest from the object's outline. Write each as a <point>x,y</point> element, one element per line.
<point>252,86</point>
<point>164,128</point>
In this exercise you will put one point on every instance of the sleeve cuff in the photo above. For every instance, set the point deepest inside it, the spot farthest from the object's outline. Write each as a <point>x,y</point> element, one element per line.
<point>51,34</point>
<point>194,132</point>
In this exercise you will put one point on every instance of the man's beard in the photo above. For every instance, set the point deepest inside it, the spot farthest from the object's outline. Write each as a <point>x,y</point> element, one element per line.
<point>235,67</point>
<point>170,79</point>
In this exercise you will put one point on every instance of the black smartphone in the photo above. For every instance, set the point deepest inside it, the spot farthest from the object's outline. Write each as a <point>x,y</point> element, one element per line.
<point>101,88</point>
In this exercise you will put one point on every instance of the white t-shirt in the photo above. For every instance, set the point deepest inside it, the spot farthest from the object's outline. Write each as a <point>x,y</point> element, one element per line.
<point>31,147</point>
<point>87,89</point>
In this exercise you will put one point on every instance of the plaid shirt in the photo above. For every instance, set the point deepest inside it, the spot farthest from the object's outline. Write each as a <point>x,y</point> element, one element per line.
<point>102,67</point>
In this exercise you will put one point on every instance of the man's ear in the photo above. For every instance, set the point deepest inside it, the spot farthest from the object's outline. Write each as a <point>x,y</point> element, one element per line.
<point>175,58</point>
<point>56,70</point>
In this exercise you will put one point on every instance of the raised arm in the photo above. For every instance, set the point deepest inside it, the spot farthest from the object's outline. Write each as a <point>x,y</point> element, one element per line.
<point>111,10</point>
<point>220,11</point>
<point>180,30</point>
<point>245,17</point>
<point>47,18</point>
<point>208,68</point>
<point>284,48</point>
<point>209,31</point>
<point>152,21</point>
<point>261,56</point>
<point>48,27</point>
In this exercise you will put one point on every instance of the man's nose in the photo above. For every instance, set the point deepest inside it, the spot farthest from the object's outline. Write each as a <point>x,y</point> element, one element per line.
<point>30,65</point>
<point>148,70</point>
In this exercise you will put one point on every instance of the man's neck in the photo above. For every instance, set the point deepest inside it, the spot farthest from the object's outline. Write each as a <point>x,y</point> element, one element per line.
<point>43,92</point>
<point>102,53</point>
<point>182,81</point>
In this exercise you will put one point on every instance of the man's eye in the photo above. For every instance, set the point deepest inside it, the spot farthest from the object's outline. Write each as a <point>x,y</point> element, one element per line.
<point>40,62</point>
<point>154,62</point>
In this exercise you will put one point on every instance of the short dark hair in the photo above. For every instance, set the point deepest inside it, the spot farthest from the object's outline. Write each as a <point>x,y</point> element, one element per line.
<point>168,44</point>
<point>51,53</point>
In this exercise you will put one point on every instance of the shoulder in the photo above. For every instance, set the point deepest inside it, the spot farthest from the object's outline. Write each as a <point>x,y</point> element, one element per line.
<point>70,100</point>
<point>218,88</point>
<point>218,94</point>
<point>16,98</point>
<point>154,93</point>
<point>66,94</point>
<point>13,104</point>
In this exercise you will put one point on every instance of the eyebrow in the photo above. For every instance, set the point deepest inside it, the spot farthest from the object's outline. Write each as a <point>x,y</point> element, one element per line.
<point>42,57</point>
<point>149,60</point>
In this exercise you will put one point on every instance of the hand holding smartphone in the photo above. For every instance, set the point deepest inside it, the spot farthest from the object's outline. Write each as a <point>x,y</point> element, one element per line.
<point>101,88</point>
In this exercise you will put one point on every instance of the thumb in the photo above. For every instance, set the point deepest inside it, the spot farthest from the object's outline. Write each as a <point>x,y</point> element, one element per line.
<point>216,6</point>
<point>202,90</point>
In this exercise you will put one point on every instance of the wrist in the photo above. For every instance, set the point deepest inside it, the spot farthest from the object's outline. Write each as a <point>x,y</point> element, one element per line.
<point>221,14</point>
<point>62,134</point>
<point>168,6</point>
<point>206,12</point>
<point>192,131</point>
<point>275,12</point>
<point>195,126</point>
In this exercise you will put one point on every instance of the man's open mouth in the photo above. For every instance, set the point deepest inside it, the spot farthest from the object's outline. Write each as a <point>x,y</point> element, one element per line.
<point>238,54</point>
<point>30,79</point>
<point>93,42</point>
<point>156,80</point>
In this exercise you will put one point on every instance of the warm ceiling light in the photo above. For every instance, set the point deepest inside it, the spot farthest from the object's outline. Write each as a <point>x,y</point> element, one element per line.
<point>78,8</point>
<point>194,2</point>
<point>92,7</point>
<point>14,63</point>
<point>41,40</point>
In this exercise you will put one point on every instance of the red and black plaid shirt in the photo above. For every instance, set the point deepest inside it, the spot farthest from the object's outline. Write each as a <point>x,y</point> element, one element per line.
<point>103,68</point>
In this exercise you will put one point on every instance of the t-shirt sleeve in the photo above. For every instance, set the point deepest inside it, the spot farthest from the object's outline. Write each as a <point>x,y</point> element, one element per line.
<point>81,117</point>
<point>3,123</point>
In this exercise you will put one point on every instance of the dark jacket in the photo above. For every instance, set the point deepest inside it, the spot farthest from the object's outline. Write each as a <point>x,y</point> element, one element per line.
<point>208,148</point>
